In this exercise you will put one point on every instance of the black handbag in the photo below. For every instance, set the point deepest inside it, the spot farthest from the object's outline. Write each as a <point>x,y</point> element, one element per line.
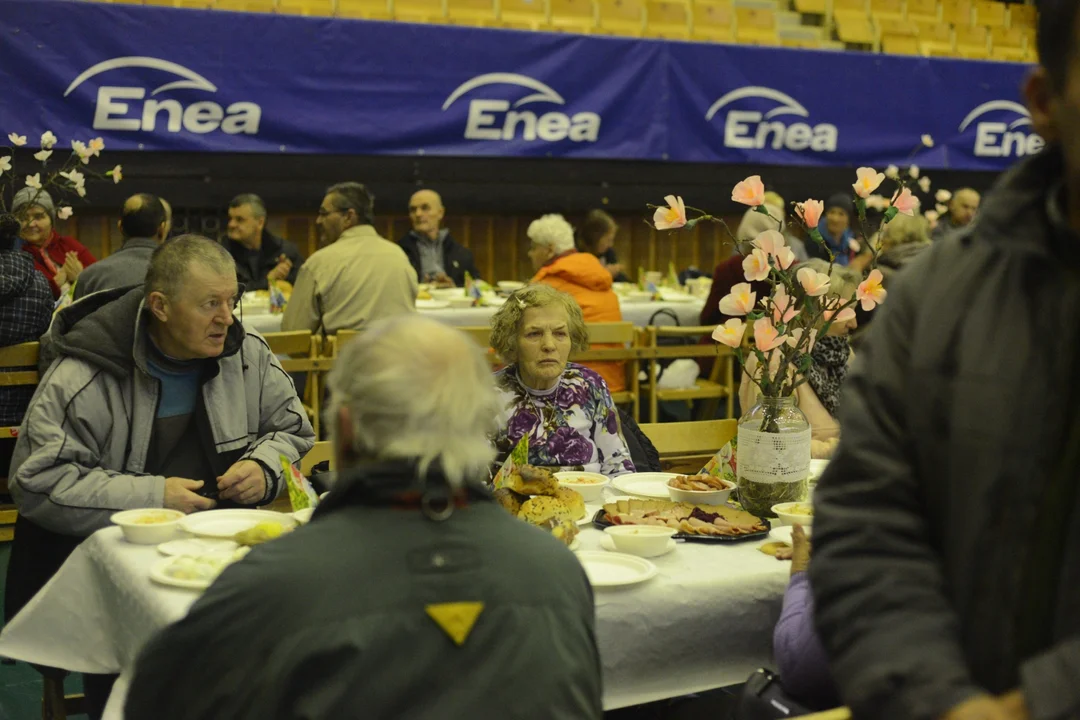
<point>763,698</point>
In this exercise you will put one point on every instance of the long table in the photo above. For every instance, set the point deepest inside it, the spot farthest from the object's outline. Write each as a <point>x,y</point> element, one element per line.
<point>704,622</point>
<point>640,314</point>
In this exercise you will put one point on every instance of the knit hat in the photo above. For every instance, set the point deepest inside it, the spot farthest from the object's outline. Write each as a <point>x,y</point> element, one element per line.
<point>842,201</point>
<point>32,196</point>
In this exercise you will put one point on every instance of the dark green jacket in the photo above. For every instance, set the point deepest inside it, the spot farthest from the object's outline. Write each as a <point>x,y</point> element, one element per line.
<point>330,622</point>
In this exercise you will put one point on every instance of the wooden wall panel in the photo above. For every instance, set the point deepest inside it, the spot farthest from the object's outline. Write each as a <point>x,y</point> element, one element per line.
<point>499,243</point>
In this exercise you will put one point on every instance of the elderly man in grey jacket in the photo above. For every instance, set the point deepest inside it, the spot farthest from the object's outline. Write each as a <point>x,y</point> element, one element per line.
<point>159,397</point>
<point>946,562</point>
<point>145,225</point>
<point>411,594</point>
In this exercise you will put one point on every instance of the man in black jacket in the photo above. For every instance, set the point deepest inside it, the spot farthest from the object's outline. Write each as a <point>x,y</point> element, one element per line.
<point>946,564</point>
<point>435,256</point>
<point>260,255</point>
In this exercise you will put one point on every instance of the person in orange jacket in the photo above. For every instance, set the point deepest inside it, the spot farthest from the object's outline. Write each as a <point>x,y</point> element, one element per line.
<point>581,275</point>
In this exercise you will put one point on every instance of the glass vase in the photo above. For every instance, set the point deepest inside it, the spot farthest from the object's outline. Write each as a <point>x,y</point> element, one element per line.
<point>773,460</point>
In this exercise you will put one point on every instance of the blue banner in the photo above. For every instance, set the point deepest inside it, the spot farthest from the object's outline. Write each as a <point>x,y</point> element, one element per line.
<point>164,79</point>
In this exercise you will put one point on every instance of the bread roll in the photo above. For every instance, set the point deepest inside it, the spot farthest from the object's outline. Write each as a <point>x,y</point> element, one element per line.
<point>573,500</point>
<point>542,509</point>
<point>510,500</point>
<point>529,480</point>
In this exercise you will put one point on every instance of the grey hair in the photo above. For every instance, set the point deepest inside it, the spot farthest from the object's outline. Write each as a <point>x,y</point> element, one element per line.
<point>552,231</point>
<point>356,197</point>
<point>506,323</point>
<point>419,390</point>
<point>171,261</point>
<point>905,230</point>
<point>843,281</point>
<point>258,207</point>
<point>754,223</point>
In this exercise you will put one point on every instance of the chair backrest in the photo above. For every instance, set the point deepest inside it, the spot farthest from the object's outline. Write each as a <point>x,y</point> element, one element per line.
<point>900,45</point>
<point>480,334</point>
<point>850,6</point>
<point>690,438</point>
<point>662,12</point>
<point>973,36</point>
<point>295,342</point>
<point>321,452</point>
<point>19,356</point>
<point>341,337</point>
<point>610,333</point>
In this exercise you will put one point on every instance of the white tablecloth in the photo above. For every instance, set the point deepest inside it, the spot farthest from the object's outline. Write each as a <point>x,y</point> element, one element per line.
<point>704,622</point>
<point>638,313</point>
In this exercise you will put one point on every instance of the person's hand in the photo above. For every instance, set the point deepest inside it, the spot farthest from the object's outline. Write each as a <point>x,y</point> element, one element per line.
<point>180,495</point>
<point>281,270</point>
<point>442,280</point>
<point>244,483</point>
<point>61,278</point>
<point>800,550</point>
<point>980,707</point>
<point>72,267</point>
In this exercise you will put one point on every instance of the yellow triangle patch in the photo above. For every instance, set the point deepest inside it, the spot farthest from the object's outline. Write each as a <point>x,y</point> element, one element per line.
<point>456,619</point>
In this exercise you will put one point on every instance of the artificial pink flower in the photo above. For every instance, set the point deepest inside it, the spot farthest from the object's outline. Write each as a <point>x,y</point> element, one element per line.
<point>730,333</point>
<point>785,258</point>
<point>906,203</point>
<point>810,212</point>
<point>783,306</point>
<point>739,301</point>
<point>845,315</point>
<point>813,282</point>
<point>868,181</point>
<point>766,337</point>
<point>64,213</point>
<point>796,337</point>
<point>756,266</point>
<point>671,217</point>
<point>871,292</point>
<point>750,191</point>
<point>769,242</point>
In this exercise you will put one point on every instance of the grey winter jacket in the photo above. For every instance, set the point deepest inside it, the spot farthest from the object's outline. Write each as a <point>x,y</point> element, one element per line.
<point>954,421</point>
<point>84,441</point>
<point>124,268</point>
<point>332,622</point>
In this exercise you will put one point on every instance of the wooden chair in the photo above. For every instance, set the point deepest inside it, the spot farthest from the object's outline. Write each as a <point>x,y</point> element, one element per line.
<point>720,383</point>
<point>687,446</point>
<point>923,11</point>
<point>667,20</point>
<point>12,358</point>
<point>304,352</point>
<point>320,452</point>
<point>625,335</point>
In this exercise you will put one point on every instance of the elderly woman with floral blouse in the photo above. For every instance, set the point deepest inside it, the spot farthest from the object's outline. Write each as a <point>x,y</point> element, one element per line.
<point>564,409</point>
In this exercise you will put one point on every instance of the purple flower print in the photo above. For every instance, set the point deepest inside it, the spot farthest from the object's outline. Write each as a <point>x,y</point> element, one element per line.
<point>569,448</point>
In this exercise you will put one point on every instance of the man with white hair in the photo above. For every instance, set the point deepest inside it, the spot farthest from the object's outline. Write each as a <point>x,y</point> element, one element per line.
<point>411,594</point>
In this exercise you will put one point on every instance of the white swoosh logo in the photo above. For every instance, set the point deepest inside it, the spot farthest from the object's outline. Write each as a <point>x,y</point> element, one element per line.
<point>789,105</point>
<point>543,92</point>
<point>193,79</point>
<point>998,105</point>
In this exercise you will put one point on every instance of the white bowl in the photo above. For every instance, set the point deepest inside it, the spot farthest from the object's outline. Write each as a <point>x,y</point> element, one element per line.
<point>447,293</point>
<point>640,540</point>
<point>700,497</point>
<point>638,296</point>
<point>460,302</point>
<point>591,490</point>
<point>148,533</point>
<point>783,511</point>
<point>509,285</point>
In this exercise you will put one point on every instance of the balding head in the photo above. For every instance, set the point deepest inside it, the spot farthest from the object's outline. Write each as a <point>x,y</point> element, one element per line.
<point>426,213</point>
<point>964,205</point>
<point>143,217</point>
<point>412,388</point>
<point>168,216</point>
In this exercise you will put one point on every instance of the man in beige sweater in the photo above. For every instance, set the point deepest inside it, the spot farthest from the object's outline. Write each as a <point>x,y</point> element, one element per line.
<point>357,277</point>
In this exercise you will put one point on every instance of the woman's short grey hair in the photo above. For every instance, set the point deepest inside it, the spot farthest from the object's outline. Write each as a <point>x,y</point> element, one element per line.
<point>843,281</point>
<point>417,390</point>
<point>506,323</point>
<point>552,231</point>
<point>905,230</point>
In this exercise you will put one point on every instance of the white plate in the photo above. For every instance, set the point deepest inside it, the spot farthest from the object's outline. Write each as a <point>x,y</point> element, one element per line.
<point>159,574</point>
<point>783,532</point>
<point>590,513</point>
<point>494,301</point>
<point>675,297</point>
<point>650,485</point>
<point>608,569</point>
<point>432,304</point>
<point>223,524</point>
<point>193,547</point>
<point>608,544</point>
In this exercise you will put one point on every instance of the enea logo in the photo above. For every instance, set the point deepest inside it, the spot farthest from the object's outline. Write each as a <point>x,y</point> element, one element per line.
<point>1003,133</point>
<point>749,129</point>
<point>113,113</point>
<point>491,119</point>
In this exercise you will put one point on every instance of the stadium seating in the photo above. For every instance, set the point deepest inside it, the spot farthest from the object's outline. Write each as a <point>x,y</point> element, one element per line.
<point>974,29</point>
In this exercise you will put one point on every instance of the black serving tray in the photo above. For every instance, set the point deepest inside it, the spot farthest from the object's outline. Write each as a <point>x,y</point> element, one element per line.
<point>600,521</point>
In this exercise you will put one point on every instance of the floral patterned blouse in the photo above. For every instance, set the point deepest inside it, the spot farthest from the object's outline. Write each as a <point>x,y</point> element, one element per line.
<point>573,425</point>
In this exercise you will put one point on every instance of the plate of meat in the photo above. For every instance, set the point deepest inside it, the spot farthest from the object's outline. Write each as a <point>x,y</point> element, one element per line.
<point>695,523</point>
